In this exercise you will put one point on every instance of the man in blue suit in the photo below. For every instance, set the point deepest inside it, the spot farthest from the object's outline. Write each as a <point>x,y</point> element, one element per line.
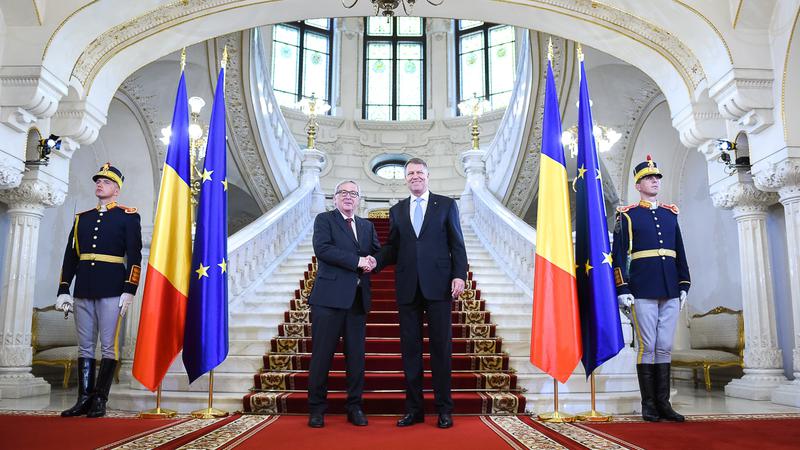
<point>340,300</point>
<point>426,244</point>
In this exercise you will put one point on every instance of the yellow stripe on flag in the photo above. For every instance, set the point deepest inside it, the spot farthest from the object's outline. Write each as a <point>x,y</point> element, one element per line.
<point>171,250</point>
<point>554,224</point>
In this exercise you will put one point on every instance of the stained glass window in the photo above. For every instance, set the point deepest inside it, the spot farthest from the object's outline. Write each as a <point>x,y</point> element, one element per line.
<point>486,61</point>
<point>301,60</point>
<point>394,68</point>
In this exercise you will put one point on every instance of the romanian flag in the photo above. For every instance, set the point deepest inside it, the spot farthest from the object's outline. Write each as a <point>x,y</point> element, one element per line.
<point>166,288</point>
<point>601,327</point>
<point>556,328</point>
<point>205,343</point>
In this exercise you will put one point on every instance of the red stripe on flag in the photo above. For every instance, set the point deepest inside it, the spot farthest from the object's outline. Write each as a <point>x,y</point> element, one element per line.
<point>556,343</point>
<point>160,337</point>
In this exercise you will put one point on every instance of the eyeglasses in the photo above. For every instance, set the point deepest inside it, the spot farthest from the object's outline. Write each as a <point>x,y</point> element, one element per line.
<point>351,194</point>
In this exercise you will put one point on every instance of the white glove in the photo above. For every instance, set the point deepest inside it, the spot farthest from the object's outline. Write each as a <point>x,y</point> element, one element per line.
<point>125,300</point>
<point>625,300</point>
<point>64,302</point>
<point>683,300</point>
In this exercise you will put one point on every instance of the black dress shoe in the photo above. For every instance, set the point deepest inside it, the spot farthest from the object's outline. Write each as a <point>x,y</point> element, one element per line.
<point>316,421</point>
<point>357,417</point>
<point>410,419</point>
<point>445,421</point>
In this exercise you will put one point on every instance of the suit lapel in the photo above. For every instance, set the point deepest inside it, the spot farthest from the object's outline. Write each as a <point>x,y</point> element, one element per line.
<point>361,227</point>
<point>337,217</point>
<point>405,218</point>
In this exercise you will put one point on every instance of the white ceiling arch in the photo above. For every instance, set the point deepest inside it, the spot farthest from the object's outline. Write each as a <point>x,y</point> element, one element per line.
<point>115,43</point>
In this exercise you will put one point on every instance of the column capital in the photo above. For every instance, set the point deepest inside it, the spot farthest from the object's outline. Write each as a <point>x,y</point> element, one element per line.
<point>34,195</point>
<point>743,197</point>
<point>10,174</point>
<point>781,176</point>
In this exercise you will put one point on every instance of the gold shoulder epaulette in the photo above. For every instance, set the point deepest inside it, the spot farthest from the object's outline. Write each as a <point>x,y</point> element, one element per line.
<point>128,209</point>
<point>670,207</point>
<point>623,209</point>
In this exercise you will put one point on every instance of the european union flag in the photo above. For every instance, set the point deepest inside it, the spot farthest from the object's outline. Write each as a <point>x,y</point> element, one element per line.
<point>600,324</point>
<point>205,339</point>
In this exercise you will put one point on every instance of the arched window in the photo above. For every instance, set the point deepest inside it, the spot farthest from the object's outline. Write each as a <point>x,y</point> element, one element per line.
<point>301,60</point>
<point>486,61</point>
<point>394,68</point>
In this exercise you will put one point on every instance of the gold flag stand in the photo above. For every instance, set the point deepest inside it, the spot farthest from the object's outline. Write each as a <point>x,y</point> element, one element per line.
<point>556,416</point>
<point>210,412</point>
<point>593,415</point>
<point>158,412</point>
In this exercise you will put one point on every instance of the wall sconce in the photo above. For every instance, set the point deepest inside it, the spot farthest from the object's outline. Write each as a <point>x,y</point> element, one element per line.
<point>727,156</point>
<point>45,147</point>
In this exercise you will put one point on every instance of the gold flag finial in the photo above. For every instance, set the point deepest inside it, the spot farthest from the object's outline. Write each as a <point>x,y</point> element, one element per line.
<point>580,53</point>
<point>224,62</point>
<point>183,59</point>
<point>550,49</point>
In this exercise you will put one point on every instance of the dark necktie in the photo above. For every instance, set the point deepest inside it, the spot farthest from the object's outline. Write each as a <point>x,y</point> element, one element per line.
<point>349,221</point>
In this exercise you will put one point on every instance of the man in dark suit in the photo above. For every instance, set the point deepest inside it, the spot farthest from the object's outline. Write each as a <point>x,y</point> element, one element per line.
<point>426,244</point>
<point>340,300</point>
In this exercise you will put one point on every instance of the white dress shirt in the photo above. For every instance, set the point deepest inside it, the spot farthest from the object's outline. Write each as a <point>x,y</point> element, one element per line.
<point>352,224</point>
<point>423,205</point>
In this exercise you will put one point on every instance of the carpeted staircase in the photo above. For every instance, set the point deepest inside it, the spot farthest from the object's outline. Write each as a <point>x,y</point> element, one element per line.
<point>482,381</point>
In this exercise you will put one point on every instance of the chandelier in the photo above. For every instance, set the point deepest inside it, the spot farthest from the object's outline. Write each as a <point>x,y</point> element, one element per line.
<point>605,138</point>
<point>386,7</point>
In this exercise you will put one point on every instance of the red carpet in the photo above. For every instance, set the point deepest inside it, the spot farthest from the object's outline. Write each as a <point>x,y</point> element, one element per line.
<point>482,380</point>
<point>706,433</point>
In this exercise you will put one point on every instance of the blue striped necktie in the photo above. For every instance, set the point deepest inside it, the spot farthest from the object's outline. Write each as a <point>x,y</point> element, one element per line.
<point>417,222</point>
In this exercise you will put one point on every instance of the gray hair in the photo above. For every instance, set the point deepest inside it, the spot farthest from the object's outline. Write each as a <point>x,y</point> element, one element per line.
<point>336,189</point>
<point>416,161</point>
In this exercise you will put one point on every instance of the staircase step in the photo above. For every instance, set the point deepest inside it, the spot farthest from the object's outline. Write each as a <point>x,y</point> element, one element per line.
<point>337,381</point>
<point>392,330</point>
<point>386,362</point>
<point>385,403</point>
<point>387,345</point>
<point>393,317</point>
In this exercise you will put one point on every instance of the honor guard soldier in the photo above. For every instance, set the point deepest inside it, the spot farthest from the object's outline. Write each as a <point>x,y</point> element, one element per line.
<point>652,279</point>
<point>103,254</point>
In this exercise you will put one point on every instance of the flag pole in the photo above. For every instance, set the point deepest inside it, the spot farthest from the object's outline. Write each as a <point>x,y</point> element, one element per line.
<point>210,412</point>
<point>556,416</point>
<point>158,412</point>
<point>593,415</point>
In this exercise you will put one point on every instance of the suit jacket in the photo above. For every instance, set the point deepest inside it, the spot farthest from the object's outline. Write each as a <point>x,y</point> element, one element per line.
<point>337,253</point>
<point>434,258</point>
<point>103,254</point>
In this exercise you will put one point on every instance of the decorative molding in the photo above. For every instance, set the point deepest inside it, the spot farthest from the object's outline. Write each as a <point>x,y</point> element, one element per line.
<point>10,176</point>
<point>745,96</point>
<point>28,93</point>
<point>782,176</point>
<point>33,195</point>
<point>744,195</point>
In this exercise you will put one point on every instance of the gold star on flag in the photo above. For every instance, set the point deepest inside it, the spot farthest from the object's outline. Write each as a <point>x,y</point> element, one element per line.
<point>607,258</point>
<point>224,266</point>
<point>588,267</point>
<point>202,271</point>
<point>599,176</point>
<point>225,183</point>
<point>206,175</point>
<point>581,171</point>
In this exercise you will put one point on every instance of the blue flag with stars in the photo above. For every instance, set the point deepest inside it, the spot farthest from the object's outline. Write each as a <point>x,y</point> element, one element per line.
<point>205,338</point>
<point>600,323</point>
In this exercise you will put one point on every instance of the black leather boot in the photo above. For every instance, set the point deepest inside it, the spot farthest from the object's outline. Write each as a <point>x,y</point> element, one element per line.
<point>104,378</point>
<point>662,394</point>
<point>85,388</point>
<point>647,385</point>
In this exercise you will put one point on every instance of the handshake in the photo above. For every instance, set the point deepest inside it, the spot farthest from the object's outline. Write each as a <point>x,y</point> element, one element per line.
<point>367,263</point>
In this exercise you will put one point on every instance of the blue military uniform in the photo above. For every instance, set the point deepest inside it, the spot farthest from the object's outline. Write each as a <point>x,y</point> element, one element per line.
<point>104,256</point>
<point>650,263</point>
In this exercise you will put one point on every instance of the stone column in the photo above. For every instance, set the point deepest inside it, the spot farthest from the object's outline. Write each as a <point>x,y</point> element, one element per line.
<point>784,177</point>
<point>475,169</point>
<point>135,311</point>
<point>26,205</point>
<point>763,363</point>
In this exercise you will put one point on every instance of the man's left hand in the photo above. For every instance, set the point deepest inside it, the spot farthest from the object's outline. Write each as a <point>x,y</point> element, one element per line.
<point>456,287</point>
<point>125,301</point>
<point>683,300</point>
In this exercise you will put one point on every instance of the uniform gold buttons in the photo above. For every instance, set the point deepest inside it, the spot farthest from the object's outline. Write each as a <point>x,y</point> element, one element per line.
<point>660,241</point>
<point>95,228</point>
<point>658,226</point>
<point>92,263</point>
<point>101,214</point>
<point>659,233</point>
<point>94,237</point>
<point>98,220</point>
<point>663,257</point>
<point>655,218</point>
<point>94,245</point>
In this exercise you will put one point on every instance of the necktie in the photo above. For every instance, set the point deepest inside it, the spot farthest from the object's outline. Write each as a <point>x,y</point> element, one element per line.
<point>417,222</point>
<point>349,221</point>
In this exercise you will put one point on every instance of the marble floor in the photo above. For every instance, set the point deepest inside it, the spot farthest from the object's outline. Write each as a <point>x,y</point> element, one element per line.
<point>688,400</point>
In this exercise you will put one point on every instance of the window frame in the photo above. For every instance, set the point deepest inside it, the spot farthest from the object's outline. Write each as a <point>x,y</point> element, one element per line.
<point>304,28</point>
<point>484,28</point>
<point>395,41</point>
